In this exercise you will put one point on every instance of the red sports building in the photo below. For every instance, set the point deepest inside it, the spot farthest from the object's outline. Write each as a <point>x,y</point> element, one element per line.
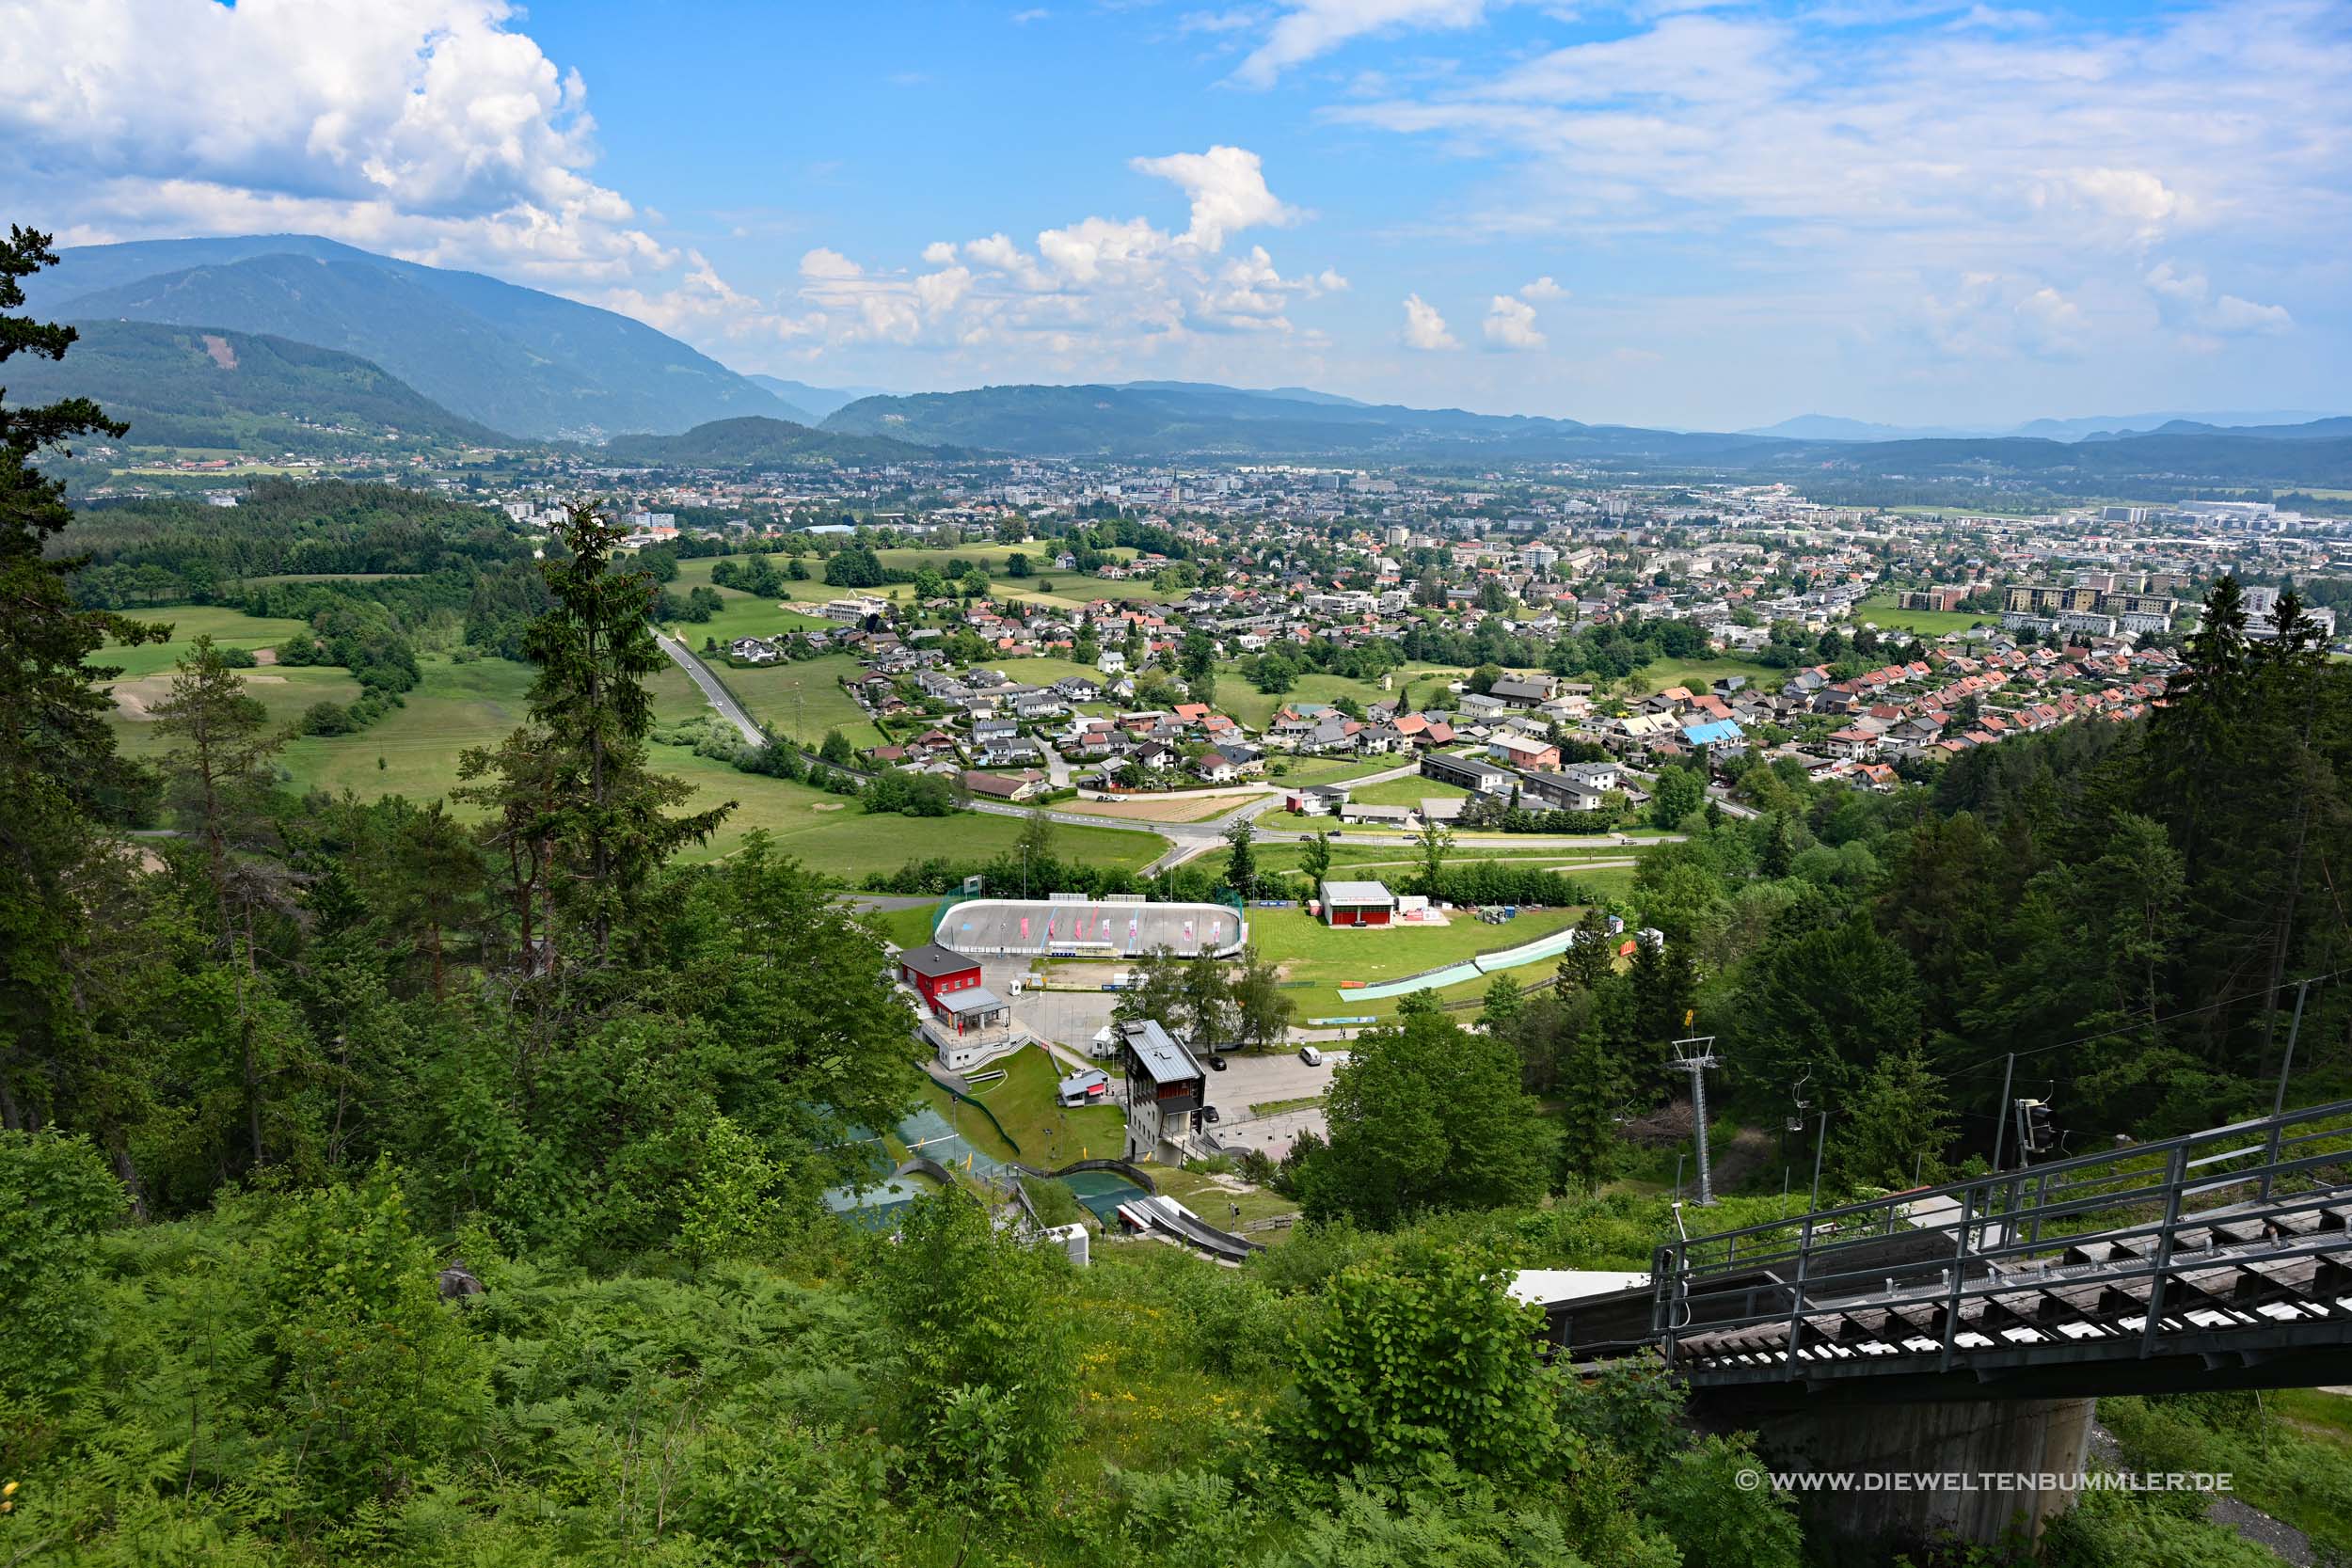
<point>1357,904</point>
<point>938,973</point>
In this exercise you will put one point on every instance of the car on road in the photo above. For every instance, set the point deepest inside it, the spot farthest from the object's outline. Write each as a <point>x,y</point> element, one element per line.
<point>1208,1114</point>
<point>1216,1063</point>
<point>1310,1055</point>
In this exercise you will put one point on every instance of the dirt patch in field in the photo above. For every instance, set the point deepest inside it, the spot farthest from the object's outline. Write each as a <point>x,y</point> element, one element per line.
<point>139,696</point>
<point>264,656</point>
<point>827,805</point>
<point>1174,808</point>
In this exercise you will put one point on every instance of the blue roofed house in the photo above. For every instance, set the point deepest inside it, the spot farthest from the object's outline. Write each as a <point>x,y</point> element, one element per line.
<point>1715,732</point>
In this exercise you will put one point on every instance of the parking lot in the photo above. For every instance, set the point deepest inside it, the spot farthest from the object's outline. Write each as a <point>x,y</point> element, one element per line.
<point>1264,1079</point>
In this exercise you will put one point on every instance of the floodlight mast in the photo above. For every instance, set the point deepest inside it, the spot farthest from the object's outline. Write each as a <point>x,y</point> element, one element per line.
<point>1694,1056</point>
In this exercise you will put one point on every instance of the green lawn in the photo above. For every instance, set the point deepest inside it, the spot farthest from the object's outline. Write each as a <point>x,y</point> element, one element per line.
<point>1299,772</point>
<point>1923,623</point>
<point>744,615</point>
<point>834,834</point>
<point>414,750</point>
<point>1700,674</point>
<point>1039,671</point>
<point>1310,950</point>
<point>1255,708</point>
<point>903,927</point>
<point>803,699</point>
<point>1408,791</point>
<point>229,628</point>
<point>1048,1134</point>
<point>284,694</point>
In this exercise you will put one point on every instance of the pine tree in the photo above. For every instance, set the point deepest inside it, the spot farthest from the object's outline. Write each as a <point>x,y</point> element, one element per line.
<point>1241,865</point>
<point>1591,956</point>
<point>602,815</point>
<point>60,778</point>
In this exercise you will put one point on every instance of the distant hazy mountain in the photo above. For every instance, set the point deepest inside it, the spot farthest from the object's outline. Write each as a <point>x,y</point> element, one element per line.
<point>1280,394</point>
<point>815,403</point>
<point>2310,430</point>
<point>756,442</point>
<point>1164,419</point>
<point>191,386</point>
<point>2142,424</point>
<point>513,358</point>
<point>1830,427</point>
<point>2231,456</point>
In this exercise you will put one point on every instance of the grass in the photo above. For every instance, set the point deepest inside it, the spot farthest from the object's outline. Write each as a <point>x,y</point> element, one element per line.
<point>1410,791</point>
<point>902,927</point>
<point>229,628</point>
<point>743,615</point>
<point>1925,623</point>
<point>1041,670</point>
<point>1214,1204</point>
<point>1255,708</point>
<point>1049,1135</point>
<point>284,694</point>
<point>832,834</point>
<point>1308,950</point>
<point>1700,674</point>
<point>414,750</point>
<point>1297,772</point>
<point>1275,1107</point>
<point>802,699</point>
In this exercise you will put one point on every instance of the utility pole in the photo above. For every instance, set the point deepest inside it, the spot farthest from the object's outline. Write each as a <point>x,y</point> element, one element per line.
<point>2000,1122</point>
<point>1820,1142</point>
<point>1694,1056</point>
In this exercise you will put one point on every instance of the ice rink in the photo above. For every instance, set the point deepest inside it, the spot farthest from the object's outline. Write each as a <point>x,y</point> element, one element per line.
<point>1091,928</point>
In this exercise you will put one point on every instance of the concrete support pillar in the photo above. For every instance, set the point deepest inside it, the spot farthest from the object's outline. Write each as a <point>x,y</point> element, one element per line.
<point>1985,1440</point>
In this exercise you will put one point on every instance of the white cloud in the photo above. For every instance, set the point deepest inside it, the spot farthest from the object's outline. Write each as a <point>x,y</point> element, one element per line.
<point>2187,300</point>
<point>1228,188</point>
<point>1863,168</point>
<point>1511,323</point>
<point>1543,288</point>
<point>430,128</point>
<point>1424,328</point>
<point>1309,28</point>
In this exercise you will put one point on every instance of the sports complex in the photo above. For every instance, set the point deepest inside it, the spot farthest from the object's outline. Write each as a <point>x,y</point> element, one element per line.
<point>1075,927</point>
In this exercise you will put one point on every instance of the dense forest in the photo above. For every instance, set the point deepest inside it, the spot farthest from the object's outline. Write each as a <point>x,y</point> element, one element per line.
<point>424,1182</point>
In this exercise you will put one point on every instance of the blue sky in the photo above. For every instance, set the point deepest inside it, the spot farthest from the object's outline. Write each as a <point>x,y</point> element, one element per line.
<point>1663,212</point>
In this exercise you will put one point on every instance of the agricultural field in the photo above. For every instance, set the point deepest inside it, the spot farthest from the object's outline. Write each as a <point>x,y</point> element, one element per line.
<point>744,615</point>
<point>799,699</point>
<point>1882,613</point>
<point>834,834</point>
<point>414,750</point>
<point>284,694</point>
<point>229,628</point>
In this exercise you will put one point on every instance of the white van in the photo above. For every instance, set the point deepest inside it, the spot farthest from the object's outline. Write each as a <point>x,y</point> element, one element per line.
<point>1310,1055</point>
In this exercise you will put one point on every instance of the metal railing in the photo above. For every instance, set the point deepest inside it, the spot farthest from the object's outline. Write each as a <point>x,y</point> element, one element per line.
<point>2276,1182</point>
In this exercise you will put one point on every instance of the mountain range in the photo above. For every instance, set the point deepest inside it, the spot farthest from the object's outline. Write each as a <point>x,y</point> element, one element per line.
<point>263,340</point>
<point>755,441</point>
<point>190,387</point>
<point>505,356</point>
<point>1830,427</point>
